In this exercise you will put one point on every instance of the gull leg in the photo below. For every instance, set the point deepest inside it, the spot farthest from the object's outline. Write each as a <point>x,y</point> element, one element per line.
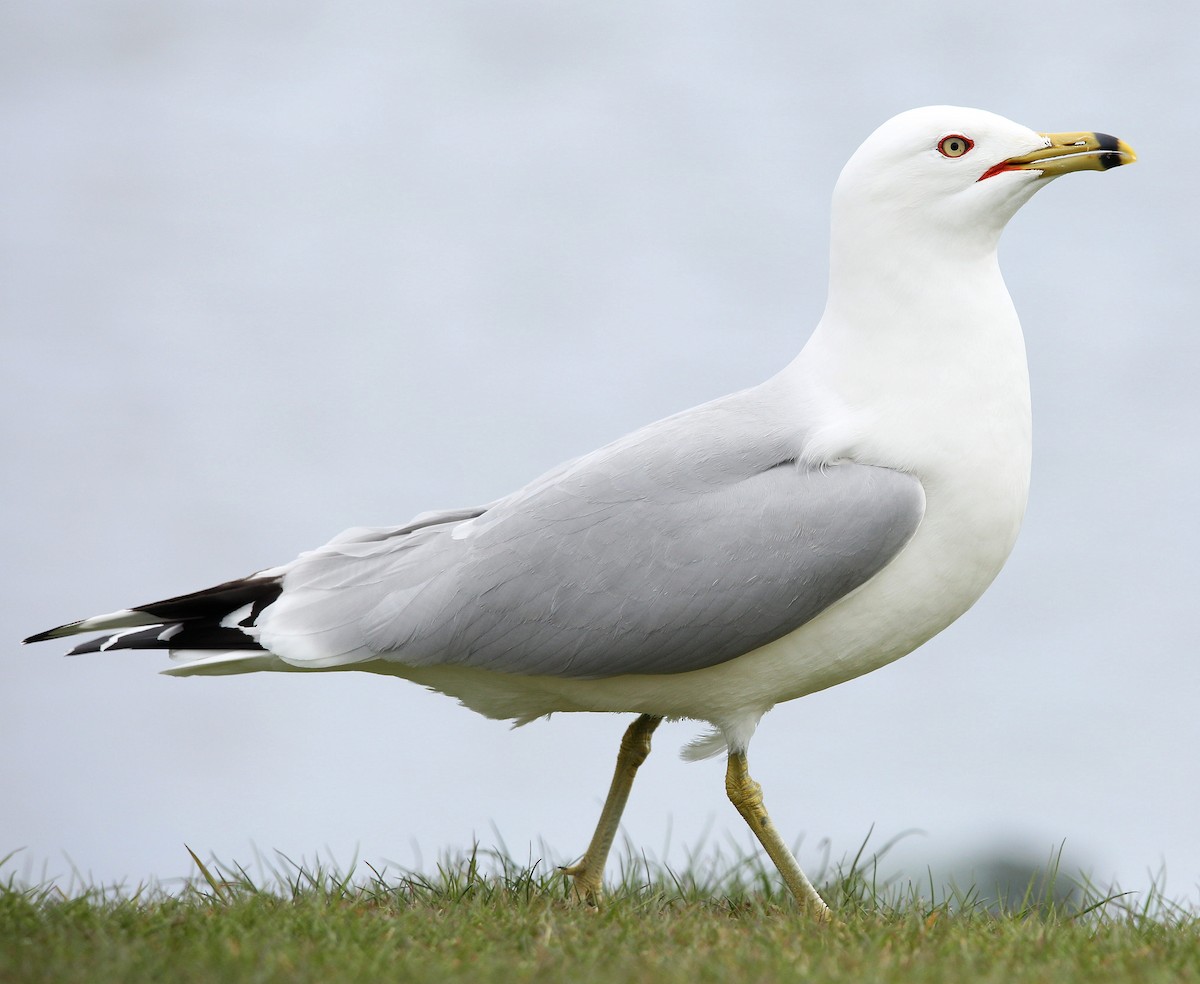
<point>746,795</point>
<point>588,874</point>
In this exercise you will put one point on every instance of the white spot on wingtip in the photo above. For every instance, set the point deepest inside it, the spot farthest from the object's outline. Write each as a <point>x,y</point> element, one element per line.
<point>232,620</point>
<point>112,640</point>
<point>103,621</point>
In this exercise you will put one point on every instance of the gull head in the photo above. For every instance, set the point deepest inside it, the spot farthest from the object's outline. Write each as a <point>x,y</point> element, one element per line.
<point>955,176</point>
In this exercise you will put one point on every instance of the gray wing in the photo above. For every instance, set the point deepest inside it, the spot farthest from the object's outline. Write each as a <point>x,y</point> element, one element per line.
<point>687,544</point>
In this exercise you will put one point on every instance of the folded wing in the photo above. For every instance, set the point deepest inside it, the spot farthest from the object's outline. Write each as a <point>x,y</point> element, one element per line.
<point>599,586</point>
<point>685,544</point>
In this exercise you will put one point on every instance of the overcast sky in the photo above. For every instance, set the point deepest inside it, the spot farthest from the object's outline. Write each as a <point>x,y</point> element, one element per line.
<point>273,269</point>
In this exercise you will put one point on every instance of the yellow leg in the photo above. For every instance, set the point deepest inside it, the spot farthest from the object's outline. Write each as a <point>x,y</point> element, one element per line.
<point>588,874</point>
<point>746,795</point>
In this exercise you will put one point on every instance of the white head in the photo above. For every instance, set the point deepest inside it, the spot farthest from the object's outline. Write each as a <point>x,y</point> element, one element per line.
<point>950,178</point>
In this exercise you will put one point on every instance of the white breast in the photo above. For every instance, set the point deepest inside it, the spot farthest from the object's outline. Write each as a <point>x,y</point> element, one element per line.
<point>946,399</point>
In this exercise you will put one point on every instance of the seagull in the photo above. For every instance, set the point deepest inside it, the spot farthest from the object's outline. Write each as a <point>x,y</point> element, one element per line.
<point>764,546</point>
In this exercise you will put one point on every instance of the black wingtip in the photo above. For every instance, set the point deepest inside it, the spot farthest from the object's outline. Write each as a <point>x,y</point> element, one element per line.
<point>43,636</point>
<point>210,604</point>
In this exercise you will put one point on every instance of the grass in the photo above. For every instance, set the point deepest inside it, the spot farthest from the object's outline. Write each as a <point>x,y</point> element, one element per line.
<point>486,918</point>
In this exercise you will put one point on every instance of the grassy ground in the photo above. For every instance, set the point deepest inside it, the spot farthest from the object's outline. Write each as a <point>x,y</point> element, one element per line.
<point>520,924</point>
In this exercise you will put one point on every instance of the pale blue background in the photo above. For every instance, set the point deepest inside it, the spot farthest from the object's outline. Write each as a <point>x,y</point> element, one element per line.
<point>272,269</point>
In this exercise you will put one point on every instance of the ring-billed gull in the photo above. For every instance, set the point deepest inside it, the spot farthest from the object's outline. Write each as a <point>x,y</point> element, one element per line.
<point>752,550</point>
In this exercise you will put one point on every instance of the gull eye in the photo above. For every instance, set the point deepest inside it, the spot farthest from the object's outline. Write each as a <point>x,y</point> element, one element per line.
<point>954,145</point>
